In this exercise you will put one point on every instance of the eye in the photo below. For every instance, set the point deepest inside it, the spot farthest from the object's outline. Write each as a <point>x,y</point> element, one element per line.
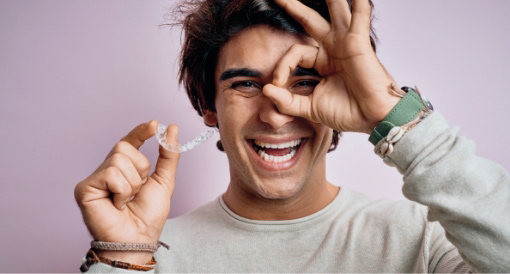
<point>246,86</point>
<point>307,83</point>
<point>305,87</point>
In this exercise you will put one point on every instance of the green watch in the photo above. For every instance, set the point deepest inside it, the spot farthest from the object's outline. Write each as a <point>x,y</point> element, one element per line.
<point>404,112</point>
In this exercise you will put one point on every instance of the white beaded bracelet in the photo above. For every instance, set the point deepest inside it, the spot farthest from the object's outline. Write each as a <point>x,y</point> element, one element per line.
<point>386,146</point>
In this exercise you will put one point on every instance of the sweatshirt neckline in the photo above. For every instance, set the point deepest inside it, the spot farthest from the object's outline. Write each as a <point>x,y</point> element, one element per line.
<point>284,225</point>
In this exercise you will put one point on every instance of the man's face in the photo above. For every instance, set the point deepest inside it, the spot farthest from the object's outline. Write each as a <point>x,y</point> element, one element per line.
<point>271,155</point>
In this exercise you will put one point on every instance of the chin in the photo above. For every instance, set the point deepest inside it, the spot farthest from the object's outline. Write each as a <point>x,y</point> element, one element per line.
<point>278,190</point>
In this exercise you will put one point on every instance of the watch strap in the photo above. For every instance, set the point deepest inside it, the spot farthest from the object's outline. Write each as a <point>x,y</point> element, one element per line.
<point>404,112</point>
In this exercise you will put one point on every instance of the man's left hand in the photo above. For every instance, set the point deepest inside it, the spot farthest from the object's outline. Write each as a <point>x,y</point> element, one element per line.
<point>354,93</point>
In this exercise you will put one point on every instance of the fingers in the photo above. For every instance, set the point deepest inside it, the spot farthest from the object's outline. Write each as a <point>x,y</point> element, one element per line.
<point>125,169</point>
<point>129,146</point>
<point>361,10</point>
<point>107,181</point>
<point>128,170</point>
<point>287,102</point>
<point>142,132</point>
<point>297,55</point>
<point>341,17</point>
<point>140,162</point>
<point>118,175</point>
<point>313,23</point>
<point>340,14</point>
<point>166,165</point>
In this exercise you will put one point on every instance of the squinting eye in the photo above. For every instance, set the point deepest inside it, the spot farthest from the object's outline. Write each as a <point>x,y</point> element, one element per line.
<point>246,86</point>
<point>308,83</point>
<point>305,87</point>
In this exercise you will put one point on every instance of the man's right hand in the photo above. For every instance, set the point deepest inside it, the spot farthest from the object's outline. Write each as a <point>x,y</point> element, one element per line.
<point>120,202</point>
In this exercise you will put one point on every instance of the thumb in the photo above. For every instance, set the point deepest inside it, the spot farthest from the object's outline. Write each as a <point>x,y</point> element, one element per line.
<point>166,164</point>
<point>287,102</point>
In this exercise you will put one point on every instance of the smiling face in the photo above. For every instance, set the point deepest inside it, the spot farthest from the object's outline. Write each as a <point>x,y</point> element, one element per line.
<point>271,155</point>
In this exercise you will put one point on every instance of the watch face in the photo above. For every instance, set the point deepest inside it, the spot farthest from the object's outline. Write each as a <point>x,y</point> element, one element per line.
<point>428,104</point>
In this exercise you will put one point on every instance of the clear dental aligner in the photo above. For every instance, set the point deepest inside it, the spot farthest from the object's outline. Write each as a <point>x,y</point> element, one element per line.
<point>200,139</point>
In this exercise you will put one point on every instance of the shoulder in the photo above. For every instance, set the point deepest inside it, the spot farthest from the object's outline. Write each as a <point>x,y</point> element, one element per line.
<point>397,216</point>
<point>385,227</point>
<point>362,204</point>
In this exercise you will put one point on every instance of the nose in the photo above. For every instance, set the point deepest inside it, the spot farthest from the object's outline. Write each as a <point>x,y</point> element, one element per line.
<point>269,114</point>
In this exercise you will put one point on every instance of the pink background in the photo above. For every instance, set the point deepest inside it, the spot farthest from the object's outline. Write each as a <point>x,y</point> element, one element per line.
<point>76,76</point>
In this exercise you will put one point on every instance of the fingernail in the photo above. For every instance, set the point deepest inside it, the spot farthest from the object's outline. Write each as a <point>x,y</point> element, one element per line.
<point>123,206</point>
<point>145,180</point>
<point>131,199</point>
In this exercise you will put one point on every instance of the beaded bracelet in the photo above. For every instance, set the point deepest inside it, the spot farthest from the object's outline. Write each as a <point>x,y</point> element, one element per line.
<point>416,109</point>
<point>385,147</point>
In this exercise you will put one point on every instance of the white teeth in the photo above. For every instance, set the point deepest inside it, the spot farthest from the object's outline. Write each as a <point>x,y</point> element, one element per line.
<point>279,146</point>
<point>276,159</point>
<point>265,157</point>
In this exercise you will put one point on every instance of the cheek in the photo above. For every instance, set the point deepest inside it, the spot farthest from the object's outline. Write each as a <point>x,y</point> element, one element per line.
<point>234,115</point>
<point>326,136</point>
<point>235,111</point>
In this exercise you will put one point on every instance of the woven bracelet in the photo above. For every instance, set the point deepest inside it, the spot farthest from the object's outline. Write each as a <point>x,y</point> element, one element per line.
<point>114,246</point>
<point>92,258</point>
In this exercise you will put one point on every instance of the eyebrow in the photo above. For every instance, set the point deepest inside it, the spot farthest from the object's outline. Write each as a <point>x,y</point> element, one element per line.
<point>246,72</point>
<point>236,72</point>
<point>299,71</point>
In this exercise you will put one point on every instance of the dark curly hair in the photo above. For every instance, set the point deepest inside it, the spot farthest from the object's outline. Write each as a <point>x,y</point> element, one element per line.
<point>209,24</point>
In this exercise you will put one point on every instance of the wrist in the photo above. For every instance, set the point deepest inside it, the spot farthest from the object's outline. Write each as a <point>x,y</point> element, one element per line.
<point>405,111</point>
<point>389,98</point>
<point>383,112</point>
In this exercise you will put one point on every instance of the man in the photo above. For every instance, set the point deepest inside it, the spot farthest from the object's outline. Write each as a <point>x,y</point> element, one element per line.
<point>277,95</point>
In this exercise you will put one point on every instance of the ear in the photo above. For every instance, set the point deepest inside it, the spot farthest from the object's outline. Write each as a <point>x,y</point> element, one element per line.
<point>210,118</point>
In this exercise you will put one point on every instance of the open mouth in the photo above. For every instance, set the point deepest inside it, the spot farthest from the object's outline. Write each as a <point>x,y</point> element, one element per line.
<point>276,153</point>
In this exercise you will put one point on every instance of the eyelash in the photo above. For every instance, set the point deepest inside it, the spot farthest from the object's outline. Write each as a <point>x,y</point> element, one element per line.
<point>240,83</point>
<point>309,82</point>
<point>252,87</point>
<point>304,87</point>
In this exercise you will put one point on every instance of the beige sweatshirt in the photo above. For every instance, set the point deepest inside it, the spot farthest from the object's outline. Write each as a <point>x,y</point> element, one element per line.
<point>458,220</point>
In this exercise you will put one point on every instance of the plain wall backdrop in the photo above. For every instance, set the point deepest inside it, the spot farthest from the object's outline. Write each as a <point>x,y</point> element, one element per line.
<point>76,76</point>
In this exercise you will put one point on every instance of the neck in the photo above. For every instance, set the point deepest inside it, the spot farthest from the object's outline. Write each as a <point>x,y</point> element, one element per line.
<point>311,199</point>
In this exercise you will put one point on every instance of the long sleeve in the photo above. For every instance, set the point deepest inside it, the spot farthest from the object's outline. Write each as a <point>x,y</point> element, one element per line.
<point>468,195</point>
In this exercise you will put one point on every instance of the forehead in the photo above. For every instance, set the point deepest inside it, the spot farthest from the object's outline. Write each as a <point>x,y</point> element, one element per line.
<point>258,47</point>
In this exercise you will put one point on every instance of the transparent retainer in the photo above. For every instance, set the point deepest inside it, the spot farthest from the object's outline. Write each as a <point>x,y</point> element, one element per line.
<point>200,139</point>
